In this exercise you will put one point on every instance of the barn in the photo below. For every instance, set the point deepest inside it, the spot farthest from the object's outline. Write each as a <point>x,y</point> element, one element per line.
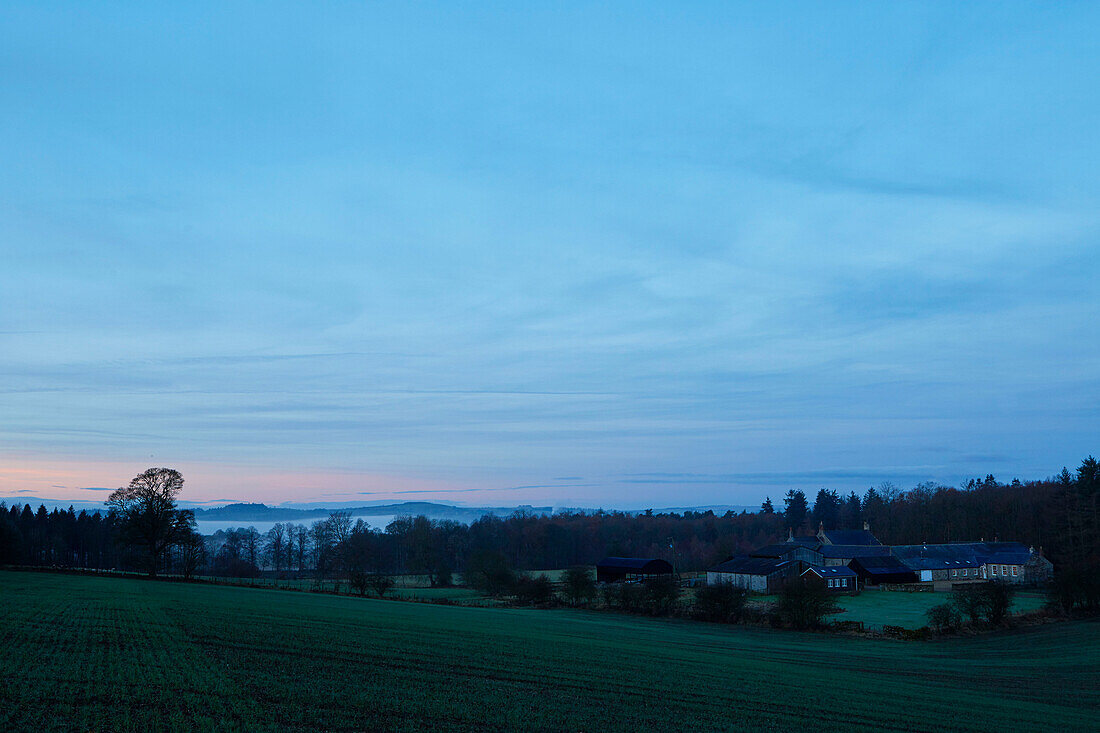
<point>884,569</point>
<point>835,579</point>
<point>847,536</point>
<point>789,551</point>
<point>844,554</point>
<point>760,574</point>
<point>631,569</point>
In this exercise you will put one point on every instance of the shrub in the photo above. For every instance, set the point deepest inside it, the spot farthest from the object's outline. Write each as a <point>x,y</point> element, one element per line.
<point>380,584</point>
<point>991,601</point>
<point>359,581</point>
<point>943,617</point>
<point>489,572</point>
<point>537,591</point>
<point>443,577</point>
<point>578,586</point>
<point>724,602</point>
<point>969,600</point>
<point>628,597</point>
<point>805,605</point>
<point>660,595</point>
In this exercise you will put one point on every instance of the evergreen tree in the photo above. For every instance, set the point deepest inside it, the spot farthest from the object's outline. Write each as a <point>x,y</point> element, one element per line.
<point>795,509</point>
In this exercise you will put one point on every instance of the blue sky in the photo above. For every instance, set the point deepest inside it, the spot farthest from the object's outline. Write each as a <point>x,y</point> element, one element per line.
<point>620,255</point>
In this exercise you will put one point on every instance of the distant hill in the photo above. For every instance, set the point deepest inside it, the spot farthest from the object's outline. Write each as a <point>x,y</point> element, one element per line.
<point>256,512</point>
<point>264,513</point>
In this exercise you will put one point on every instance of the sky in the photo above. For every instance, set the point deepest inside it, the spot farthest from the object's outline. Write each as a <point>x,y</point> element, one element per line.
<point>616,255</point>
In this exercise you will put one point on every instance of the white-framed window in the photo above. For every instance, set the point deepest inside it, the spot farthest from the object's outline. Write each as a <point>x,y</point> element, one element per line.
<point>994,568</point>
<point>1004,570</point>
<point>1014,569</point>
<point>954,573</point>
<point>830,582</point>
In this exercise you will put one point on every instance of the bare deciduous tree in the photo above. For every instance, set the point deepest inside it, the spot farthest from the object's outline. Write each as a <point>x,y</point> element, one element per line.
<point>148,513</point>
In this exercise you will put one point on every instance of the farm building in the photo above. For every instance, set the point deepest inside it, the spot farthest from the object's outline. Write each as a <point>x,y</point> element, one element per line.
<point>807,540</point>
<point>836,579</point>
<point>768,568</point>
<point>847,536</point>
<point>962,561</point>
<point>882,569</point>
<point>631,569</point>
<point>841,555</point>
<point>789,551</point>
<point>760,574</point>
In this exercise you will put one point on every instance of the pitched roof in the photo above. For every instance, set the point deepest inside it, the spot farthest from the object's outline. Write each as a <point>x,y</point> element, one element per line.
<point>833,571</point>
<point>884,565</point>
<point>978,553</point>
<point>751,566</point>
<point>850,551</point>
<point>779,550</point>
<point>805,541</point>
<point>850,537</point>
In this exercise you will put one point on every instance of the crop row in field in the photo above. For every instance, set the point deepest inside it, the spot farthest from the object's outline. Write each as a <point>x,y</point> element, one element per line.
<point>87,653</point>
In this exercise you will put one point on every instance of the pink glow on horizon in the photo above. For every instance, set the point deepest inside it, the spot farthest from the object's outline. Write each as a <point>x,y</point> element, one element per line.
<point>66,479</point>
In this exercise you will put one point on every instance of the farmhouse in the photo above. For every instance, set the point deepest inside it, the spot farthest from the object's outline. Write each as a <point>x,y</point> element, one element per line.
<point>760,574</point>
<point>631,569</point>
<point>969,561</point>
<point>836,579</point>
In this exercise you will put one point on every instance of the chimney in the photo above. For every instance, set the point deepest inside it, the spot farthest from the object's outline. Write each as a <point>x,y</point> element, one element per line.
<point>866,526</point>
<point>790,535</point>
<point>821,526</point>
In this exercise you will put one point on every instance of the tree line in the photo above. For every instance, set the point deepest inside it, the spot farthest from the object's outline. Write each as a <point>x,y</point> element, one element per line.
<point>143,529</point>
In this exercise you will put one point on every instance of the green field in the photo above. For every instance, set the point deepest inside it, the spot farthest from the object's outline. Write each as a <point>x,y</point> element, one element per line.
<point>878,608</point>
<point>90,653</point>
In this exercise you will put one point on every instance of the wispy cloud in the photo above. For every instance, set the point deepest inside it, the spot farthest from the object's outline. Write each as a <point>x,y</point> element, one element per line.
<point>868,254</point>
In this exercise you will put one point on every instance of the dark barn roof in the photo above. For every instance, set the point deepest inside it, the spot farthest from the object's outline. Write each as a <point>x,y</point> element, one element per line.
<point>851,537</point>
<point>833,571</point>
<point>850,551</point>
<point>779,550</point>
<point>805,541</point>
<point>653,565</point>
<point>752,566</point>
<point>951,555</point>
<point>883,569</point>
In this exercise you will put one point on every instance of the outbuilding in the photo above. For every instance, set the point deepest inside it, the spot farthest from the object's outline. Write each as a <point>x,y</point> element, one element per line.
<point>879,570</point>
<point>631,569</point>
<point>760,574</point>
<point>835,579</point>
<point>844,554</point>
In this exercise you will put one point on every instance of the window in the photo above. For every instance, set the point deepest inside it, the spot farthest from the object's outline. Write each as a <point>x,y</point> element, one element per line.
<point>1004,570</point>
<point>954,573</point>
<point>1014,569</point>
<point>994,569</point>
<point>831,582</point>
